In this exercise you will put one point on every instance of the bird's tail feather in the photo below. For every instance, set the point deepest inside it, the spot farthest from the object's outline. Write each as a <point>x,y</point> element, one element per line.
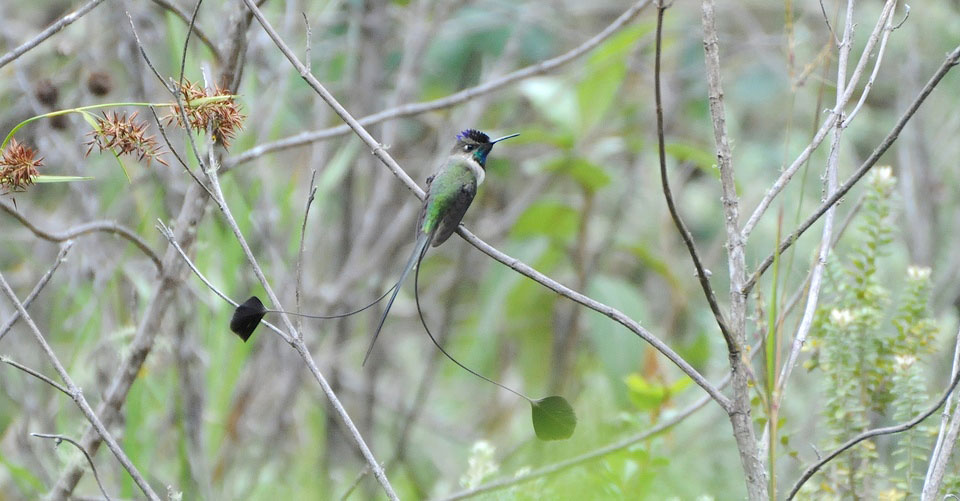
<point>423,242</point>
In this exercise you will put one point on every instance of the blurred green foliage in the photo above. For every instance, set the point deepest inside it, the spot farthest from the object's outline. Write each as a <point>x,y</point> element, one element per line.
<point>577,196</point>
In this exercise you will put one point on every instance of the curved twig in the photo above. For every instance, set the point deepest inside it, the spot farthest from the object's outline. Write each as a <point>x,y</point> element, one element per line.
<point>465,95</point>
<point>35,374</point>
<point>61,438</point>
<point>685,234</point>
<point>887,430</point>
<point>83,229</point>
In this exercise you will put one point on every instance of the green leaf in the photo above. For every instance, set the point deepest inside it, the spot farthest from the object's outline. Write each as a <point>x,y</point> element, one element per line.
<point>336,169</point>
<point>621,43</point>
<point>605,70</point>
<point>701,158</point>
<point>644,394</point>
<point>591,176</point>
<point>596,93</point>
<point>547,218</point>
<point>553,418</point>
<point>90,118</point>
<point>26,481</point>
<point>554,99</point>
<point>43,178</point>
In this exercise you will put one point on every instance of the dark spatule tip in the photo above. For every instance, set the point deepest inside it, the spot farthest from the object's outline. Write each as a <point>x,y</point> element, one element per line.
<point>247,317</point>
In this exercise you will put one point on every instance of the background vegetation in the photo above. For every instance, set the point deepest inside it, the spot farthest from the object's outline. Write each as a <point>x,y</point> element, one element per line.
<point>577,196</point>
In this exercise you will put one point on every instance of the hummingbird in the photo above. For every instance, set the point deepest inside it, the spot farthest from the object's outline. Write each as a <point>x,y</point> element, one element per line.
<point>450,192</point>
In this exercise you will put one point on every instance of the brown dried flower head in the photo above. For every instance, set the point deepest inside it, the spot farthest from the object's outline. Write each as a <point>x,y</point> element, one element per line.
<point>222,115</point>
<point>124,135</point>
<point>18,166</point>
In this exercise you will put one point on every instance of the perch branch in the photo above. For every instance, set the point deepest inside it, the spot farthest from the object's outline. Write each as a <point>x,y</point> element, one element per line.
<point>380,152</point>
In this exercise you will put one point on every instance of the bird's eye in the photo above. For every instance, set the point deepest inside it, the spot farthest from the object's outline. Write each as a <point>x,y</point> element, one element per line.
<point>467,147</point>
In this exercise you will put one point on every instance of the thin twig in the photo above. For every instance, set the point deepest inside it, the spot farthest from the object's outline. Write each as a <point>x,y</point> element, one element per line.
<point>303,236</point>
<point>60,24</point>
<point>816,277</point>
<point>35,374</point>
<point>685,234</point>
<point>826,20</point>
<point>182,14</point>
<point>380,152</point>
<point>44,280</point>
<point>887,30</point>
<point>186,44</point>
<point>308,48</point>
<point>84,229</point>
<point>62,438</point>
<point>172,239</point>
<point>77,395</point>
<point>295,338</point>
<point>946,437</point>
<point>952,59</point>
<point>190,213</point>
<point>835,115</point>
<point>463,96</point>
<point>887,430</point>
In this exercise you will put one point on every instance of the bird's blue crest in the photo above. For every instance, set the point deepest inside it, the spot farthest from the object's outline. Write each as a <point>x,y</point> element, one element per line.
<point>473,135</point>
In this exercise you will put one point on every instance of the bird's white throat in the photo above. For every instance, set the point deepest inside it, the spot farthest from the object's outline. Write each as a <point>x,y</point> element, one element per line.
<point>478,171</point>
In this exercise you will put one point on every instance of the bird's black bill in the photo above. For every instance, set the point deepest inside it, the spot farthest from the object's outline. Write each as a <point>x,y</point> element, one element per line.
<point>247,317</point>
<point>503,138</point>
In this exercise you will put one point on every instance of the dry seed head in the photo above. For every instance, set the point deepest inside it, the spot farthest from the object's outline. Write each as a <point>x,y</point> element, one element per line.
<point>222,115</point>
<point>18,167</point>
<point>124,135</point>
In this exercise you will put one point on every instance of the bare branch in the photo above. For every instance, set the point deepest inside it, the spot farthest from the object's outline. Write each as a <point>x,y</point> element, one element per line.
<point>74,391</point>
<point>84,229</point>
<point>685,234</point>
<point>295,336</point>
<point>739,411</point>
<point>952,59</point>
<point>35,374</point>
<point>463,96</point>
<point>946,437</point>
<point>62,438</point>
<point>186,18</point>
<point>835,115</point>
<point>816,276</point>
<point>303,236</point>
<point>876,432</point>
<point>60,24</point>
<point>44,280</point>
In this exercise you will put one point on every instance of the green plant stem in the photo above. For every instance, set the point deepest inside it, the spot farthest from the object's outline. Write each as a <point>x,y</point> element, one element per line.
<point>81,109</point>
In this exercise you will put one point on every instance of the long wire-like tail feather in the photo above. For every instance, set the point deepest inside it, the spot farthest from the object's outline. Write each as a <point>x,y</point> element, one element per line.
<point>338,315</point>
<point>423,242</point>
<point>416,295</point>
